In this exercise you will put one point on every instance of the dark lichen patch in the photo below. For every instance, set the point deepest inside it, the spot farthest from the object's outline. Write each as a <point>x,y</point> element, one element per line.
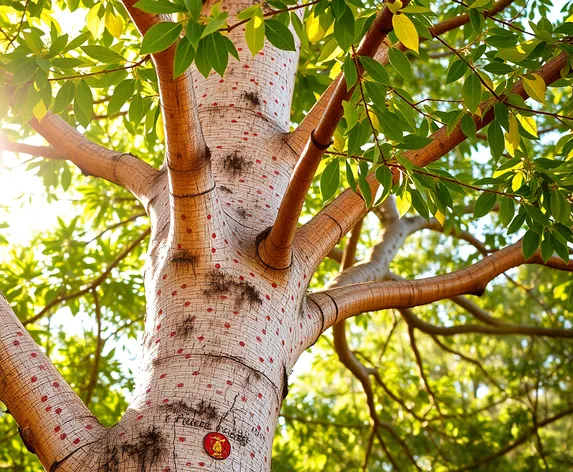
<point>149,447</point>
<point>184,257</point>
<point>252,98</point>
<point>236,164</point>
<point>225,189</point>
<point>146,450</point>
<point>242,213</point>
<point>284,382</point>
<point>207,410</point>
<point>178,408</point>
<point>223,284</point>
<point>186,327</point>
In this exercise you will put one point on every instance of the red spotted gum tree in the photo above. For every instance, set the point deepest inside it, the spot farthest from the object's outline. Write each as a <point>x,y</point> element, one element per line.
<point>206,95</point>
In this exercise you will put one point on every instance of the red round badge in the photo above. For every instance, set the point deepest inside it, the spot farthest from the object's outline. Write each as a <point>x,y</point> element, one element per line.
<point>217,445</point>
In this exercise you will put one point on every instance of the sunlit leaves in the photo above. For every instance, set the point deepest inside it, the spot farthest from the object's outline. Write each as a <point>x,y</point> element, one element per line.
<point>159,6</point>
<point>330,179</point>
<point>406,31</point>
<point>535,86</point>
<point>160,36</point>
<point>456,70</point>
<point>184,55</point>
<point>64,97</point>
<point>103,54</point>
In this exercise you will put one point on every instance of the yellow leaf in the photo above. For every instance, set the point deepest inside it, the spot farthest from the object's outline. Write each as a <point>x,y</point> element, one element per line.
<point>47,18</point>
<point>517,181</point>
<point>535,87</point>
<point>513,135</point>
<point>314,30</point>
<point>335,70</point>
<point>403,203</point>
<point>93,22</point>
<point>114,24</point>
<point>394,7</point>
<point>406,31</point>
<point>440,217</point>
<point>375,121</point>
<point>257,21</point>
<point>40,110</point>
<point>529,124</point>
<point>159,127</point>
<point>339,141</point>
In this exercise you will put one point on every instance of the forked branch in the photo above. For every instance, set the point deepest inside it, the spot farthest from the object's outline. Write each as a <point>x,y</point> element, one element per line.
<point>187,155</point>
<point>276,249</point>
<point>336,219</point>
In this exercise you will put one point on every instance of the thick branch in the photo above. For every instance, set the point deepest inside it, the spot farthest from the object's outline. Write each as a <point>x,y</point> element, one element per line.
<point>350,300</point>
<point>119,168</point>
<point>299,136</point>
<point>53,421</point>
<point>336,219</point>
<point>187,155</point>
<point>276,249</point>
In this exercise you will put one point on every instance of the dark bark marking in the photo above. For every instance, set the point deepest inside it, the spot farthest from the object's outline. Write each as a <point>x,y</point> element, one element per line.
<point>284,382</point>
<point>236,164</point>
<point>244,292</point>
<point>186,326</point>
<point>253,98</point>
<point>225,189</point>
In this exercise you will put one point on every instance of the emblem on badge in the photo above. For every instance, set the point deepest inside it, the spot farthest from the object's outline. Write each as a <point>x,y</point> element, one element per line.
<point>217,445</point>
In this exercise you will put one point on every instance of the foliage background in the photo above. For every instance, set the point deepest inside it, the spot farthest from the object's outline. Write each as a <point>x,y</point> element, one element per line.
<point>491,391</point>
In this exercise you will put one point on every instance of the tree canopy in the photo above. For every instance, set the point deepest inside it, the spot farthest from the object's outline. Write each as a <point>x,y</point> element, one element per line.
<point>488,81</point>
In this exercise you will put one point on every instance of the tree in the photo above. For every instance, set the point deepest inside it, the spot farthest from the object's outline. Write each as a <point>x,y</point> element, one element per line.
<point>450,122</point>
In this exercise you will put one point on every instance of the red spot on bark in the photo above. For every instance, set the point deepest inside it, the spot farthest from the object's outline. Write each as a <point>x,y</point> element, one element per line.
<point>261,359</point>
<point>260,340</point>
<point>241,343</point>
<point>227,325</point>
<point>179,351</point>
<point>139,418</point>
<point>77,441</point>
<point>213,250</point>
<point>89,426</point>
<point>34,355</point>
<point>200,338</point>
<point>243,398</point>
<point>58,411</point>
<point>48,408</point>
<point>229,382</point>
<point>172,333</point>
<point>57,429</point>
<point>33,379</point>
<point>63,436</point>
<point>44,399</point>
<point>196,372</point>
<point>162,376</point>
<point>209,216</point>
<point>16,343</point>
<point>174,293</point>
<point>179,385</point>
<point>166,400</point>
<point>187,303</point>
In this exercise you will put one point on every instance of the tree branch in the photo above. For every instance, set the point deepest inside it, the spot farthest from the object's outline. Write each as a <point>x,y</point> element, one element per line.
<point>336,219</point>
<point>48,152</point>
<point>119,168</point>
<point>53,421</point>
<point>350,300</point>
<point>276,249</point>
<point>187,154</point>
<point>97,355</point>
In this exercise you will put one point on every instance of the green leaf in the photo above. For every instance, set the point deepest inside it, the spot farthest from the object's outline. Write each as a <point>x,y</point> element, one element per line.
<point>506,210</point>
<point>279,35</point>
<point>530,244</point>
<point>471,92</point>
<point>136,110</point>
<point>413,141</point>
<point>215,24</point>
<point>350,176</point>
<point>384,178</point>
<point>194,8</point>
<point>419,203</point>
<point>499,68</point>
<point>547,247</point>
<point>350,114</point>
<point>102,54</point>
<point>350,72</point>
<point>160,36</point>
<point>344,29</point>
<point>83,103</point>
<point>202,58</point>
<point>219,55</point>
<point>66,178</point>
<point>184,55</point>
<point>401,63</point>
<point>484,204</point>
<point>158,6</point>
<point>255,33</point>
<point>330,179</point>
<point>406,31</point>
<point>468,126</point>
<point>121,94</point>
<point>535,87</point>
<point>456,70</point>
<point>375,70</point>
<point>64,97</point>
<point>495,139</point>
<point>365,190</point>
